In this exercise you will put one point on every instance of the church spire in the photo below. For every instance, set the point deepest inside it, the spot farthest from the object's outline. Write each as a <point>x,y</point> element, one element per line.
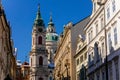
<point>51,28</point>
<point>51,22</point>
<point>38,21</point>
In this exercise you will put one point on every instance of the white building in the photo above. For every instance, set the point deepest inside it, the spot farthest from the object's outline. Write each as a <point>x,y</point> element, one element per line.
<point>112,22</point>
<point>103,42</point>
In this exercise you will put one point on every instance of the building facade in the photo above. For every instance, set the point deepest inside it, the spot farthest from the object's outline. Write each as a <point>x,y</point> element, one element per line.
<point>103,41</point>
<point>112,19</point>
<point>38,53</point>
<point>7,59</point>
<point>81,59</point>
<point>64,57</point>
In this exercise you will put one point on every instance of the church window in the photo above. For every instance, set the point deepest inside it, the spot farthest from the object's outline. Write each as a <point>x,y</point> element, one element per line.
<point>40,40</point>
<point>40,60</point>
<point>40,78</point>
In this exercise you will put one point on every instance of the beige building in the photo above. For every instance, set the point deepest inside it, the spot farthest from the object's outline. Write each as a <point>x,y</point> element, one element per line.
<point>7,59</point>
<point>64,57</point>
<point>81,59</point>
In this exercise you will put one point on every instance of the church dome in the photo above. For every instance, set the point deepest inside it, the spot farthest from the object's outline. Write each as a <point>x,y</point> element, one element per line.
<point>51,37</point>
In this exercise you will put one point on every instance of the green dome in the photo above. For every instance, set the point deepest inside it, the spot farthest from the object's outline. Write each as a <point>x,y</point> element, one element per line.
<point>51,37</point>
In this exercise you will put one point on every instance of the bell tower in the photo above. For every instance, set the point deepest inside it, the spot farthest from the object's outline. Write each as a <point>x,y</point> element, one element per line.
<point>38,54</point>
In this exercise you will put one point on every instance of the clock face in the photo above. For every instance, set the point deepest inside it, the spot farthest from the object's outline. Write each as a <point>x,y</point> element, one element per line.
<point>40,29</point>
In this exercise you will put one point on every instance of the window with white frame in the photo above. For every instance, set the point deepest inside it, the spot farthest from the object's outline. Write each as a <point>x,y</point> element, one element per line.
<point>108,13</point>
<point>103,48</point>
<point>115,35</point>
<point>96,28</point>
<point>109,41</point>
<point>89,34</point>
<point>94,6</point>
<point>113,6</point>
<point>102,23</point>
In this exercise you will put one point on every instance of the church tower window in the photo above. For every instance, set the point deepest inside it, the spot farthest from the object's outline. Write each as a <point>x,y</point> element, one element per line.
<point>40,60</point>
<point>40,40</point>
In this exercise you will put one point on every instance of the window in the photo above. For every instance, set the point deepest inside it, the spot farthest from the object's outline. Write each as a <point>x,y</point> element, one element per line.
<point>40,60</point>
<point>103,47</point>
<point>77,61</point>
<point>85,56</point>
<point>81,59</point>
<point>109,41</point>
<point>102,24</point>
<point>96,29</point>
<point>91,34</point>
<point>89,37</point>
<point>108,13</point>
<point>113,5</point>
<point>115,35</point>
<point>40,78</point>
<point>39,40</point>
<point>94,7</point>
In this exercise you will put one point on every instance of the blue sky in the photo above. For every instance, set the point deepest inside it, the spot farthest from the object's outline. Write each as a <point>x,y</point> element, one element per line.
<point>21,14</point>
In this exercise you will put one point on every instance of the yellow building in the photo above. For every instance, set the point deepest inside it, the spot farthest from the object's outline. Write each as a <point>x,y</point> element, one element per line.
<point>64,57</point>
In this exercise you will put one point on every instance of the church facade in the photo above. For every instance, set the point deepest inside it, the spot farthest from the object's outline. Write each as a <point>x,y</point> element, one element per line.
<point>42,50</point>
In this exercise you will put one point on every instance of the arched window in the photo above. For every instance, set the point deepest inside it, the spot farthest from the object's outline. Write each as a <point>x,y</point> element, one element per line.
<point>40,60</point>
<point>39,40</point>
<point>40,78</point>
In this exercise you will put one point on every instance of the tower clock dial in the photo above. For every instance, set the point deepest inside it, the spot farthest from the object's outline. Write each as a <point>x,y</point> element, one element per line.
<point>40,29</point>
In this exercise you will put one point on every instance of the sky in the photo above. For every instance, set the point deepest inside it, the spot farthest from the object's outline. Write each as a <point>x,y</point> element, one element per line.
<point>22,13</point>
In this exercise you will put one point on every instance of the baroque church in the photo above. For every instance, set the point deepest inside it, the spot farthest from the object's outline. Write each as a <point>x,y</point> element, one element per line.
<point>44,45</point>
